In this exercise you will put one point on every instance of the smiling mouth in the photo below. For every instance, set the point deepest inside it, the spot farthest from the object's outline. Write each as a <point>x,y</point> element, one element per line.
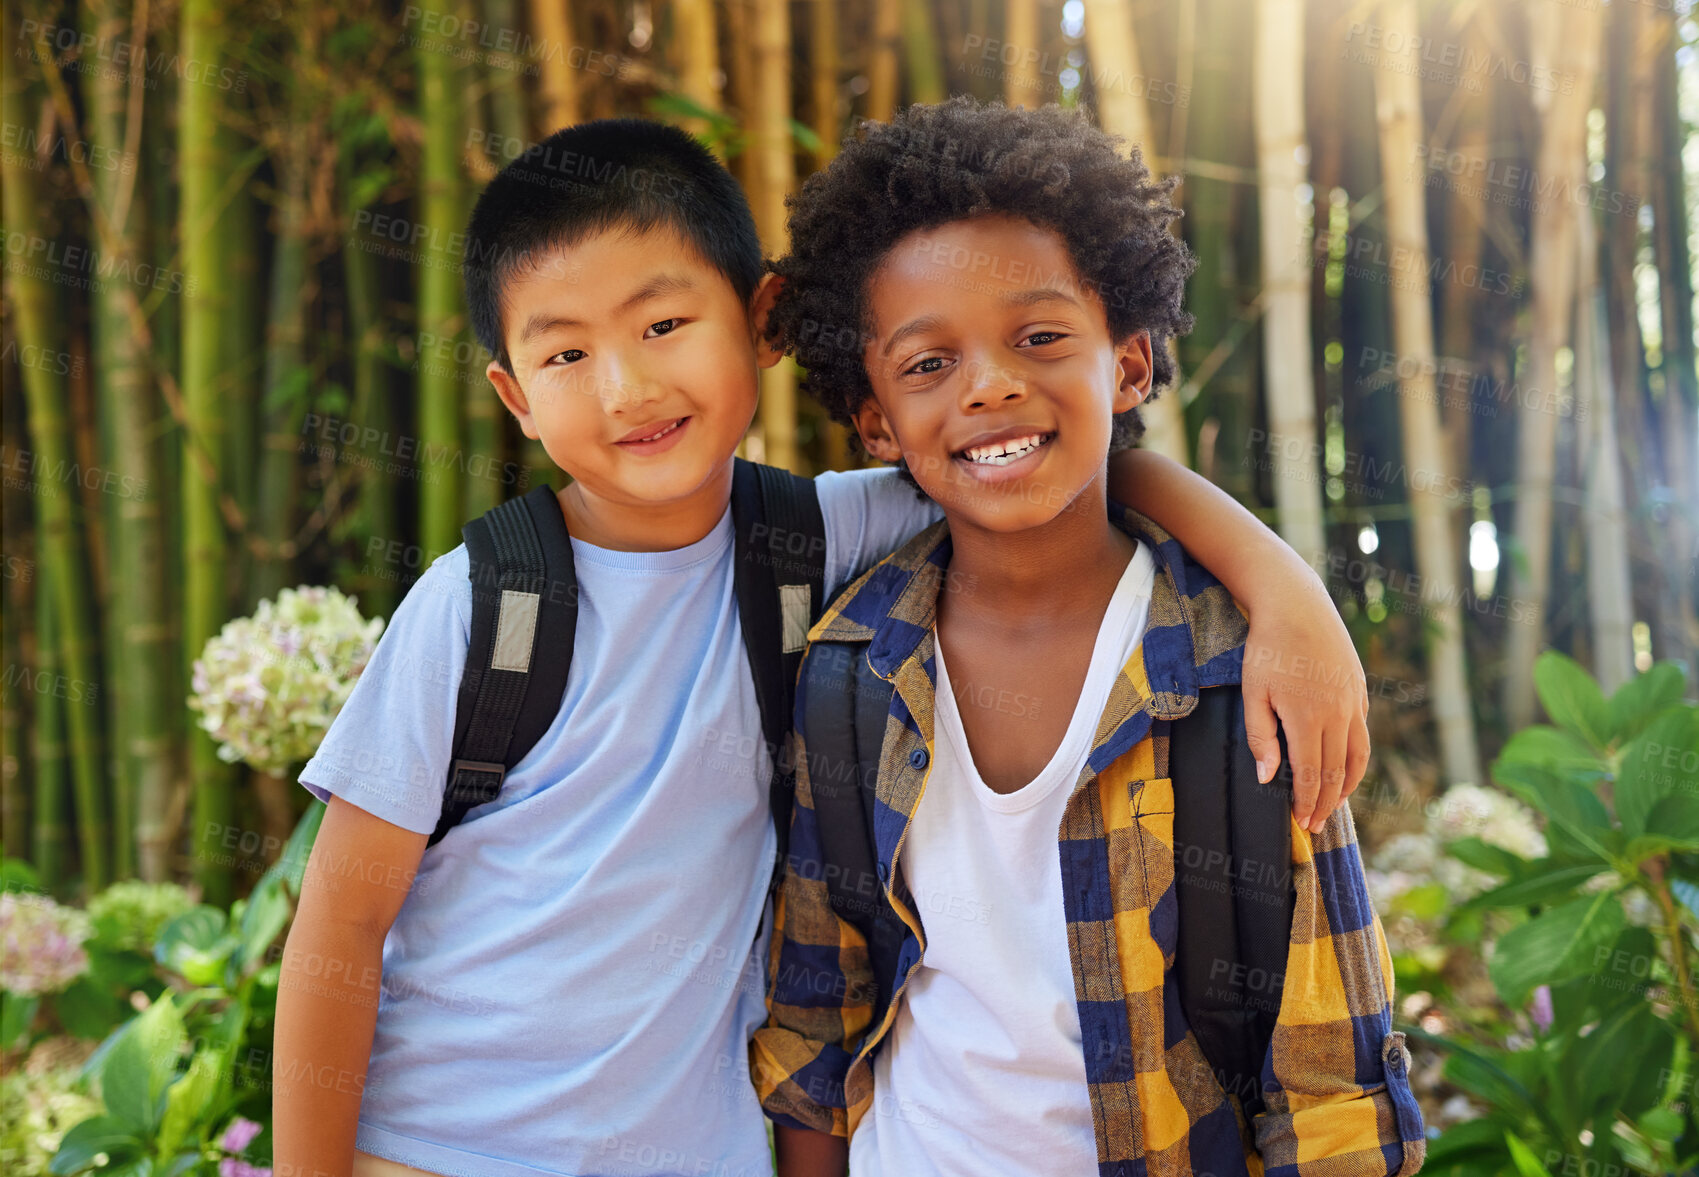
<point>654,435</point>
<point>1002,453</point>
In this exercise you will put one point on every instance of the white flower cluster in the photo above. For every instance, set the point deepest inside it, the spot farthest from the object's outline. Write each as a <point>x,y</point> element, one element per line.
<point>41,944</point>
<point>269,685</point>
<point>1406,861</point>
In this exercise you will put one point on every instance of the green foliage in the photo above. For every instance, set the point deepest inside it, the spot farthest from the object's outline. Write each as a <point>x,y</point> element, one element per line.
<point>179,1087</point>
<point>1604,1085</point>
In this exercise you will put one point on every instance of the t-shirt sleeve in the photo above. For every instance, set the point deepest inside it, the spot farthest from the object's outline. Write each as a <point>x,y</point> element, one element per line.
<point>868,515</point>
<point>388,749</point>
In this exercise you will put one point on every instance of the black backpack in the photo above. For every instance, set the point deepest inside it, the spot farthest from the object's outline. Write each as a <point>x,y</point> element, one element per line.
<point>1232,862</point>
<point>525,614</point>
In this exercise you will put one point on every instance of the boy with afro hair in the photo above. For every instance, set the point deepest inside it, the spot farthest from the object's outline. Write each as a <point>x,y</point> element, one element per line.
<point>987,295</point>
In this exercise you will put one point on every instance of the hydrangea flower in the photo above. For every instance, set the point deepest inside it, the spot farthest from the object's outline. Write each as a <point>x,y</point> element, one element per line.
<point>41,944</point>
<point>130,914</point>
<point>269,685</point>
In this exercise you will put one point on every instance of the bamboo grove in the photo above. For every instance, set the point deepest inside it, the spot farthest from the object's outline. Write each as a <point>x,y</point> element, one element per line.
<point>1444,338</point>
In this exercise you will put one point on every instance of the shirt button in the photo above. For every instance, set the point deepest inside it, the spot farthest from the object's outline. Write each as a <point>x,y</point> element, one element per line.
<point>884,873</point>
<point>917,758</point>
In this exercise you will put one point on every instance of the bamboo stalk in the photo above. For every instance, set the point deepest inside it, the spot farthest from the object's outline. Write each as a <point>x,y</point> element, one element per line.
<point>206,548</point>
<point>1398,111</point>
<point>440,206</point>
<point>506,72</point>
<point>920,55</point>
<point>699,60</point>
<point>276,490</point>
<point>824,64</point>
<point>138,643</point>
<point>19,585</point>
<point>1678,622</point>
<point>1022,85</point>
<point>882,79</point>
<point>1112,46</point>
<point>1610,599</point>
<point>379,506</point>
<point>775,171</point>
<point>552,21</point>
<point>1574,36</point>
<point>32,296</point>
<point>51,835</point>
<point>1278,114</point>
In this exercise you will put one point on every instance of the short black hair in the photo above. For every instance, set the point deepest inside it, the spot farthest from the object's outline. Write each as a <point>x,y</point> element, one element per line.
<point>595,176</point>
<point>932,165</point>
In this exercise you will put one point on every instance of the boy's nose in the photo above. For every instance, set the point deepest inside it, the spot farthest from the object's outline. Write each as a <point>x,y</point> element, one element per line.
<point>627,388</point>
<point>990,384</point>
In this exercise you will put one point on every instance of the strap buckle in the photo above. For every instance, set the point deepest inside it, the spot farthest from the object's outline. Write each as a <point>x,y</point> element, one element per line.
<point>476,782</point>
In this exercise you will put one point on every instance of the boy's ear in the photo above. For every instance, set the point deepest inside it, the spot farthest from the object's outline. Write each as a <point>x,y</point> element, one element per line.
<point>1133,358</point>
<point>512,396</point>
<point>876,434</point>
<point>759,308</point>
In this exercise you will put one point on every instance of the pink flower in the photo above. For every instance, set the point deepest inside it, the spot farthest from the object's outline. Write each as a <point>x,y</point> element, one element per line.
<point>237,1137</point>
<point>231,1167</point>
<point>1540,1009</point>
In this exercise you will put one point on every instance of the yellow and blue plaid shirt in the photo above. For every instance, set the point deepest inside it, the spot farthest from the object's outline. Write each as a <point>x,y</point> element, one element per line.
<point>1335,1080</point>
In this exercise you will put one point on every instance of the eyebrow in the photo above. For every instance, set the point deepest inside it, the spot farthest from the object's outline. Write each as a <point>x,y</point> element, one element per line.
<point>655,287</point>
<point>1017,298</point>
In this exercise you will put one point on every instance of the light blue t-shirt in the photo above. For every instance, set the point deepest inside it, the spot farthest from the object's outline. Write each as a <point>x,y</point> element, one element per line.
<point>572,982</point>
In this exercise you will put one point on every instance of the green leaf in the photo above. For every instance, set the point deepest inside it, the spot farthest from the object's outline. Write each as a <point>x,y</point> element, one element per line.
<point>805,137</point>
<point>1555,945</point>
<point>1643,696</point>
<point>1544,884</point>
<point>1552,748</point>
<point>1484,856</point>
<point>18,875</point>
<point>1598,1061</point>
<point>1477,1141</point>
<point>141,1064</point>
<point>89,1010</point>
<point>1572,698</point>
<point>1527,1165</point>
<point>197,944</point>
<point>87,1141</point>
<point>1578,826</point>
<point>292,865</point>
<point>188,1100</point>
<point>1661,762</point>
<point>16,1015</point>
<point>265,915</point>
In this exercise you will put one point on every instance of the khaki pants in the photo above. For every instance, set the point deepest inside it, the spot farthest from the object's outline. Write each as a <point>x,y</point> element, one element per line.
<point>366,1165</point>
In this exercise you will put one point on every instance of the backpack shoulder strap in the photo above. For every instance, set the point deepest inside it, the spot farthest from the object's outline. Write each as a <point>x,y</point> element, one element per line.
<point>524,599</point>
<point>779,575</point>
<point>1233,880</point>
<point>846,707</point>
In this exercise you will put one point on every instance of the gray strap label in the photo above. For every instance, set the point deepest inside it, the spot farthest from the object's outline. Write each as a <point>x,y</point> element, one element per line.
<point>516,628</point>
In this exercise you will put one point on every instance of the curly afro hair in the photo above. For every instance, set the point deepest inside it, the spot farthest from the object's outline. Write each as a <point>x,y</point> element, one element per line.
<point>931,165</point>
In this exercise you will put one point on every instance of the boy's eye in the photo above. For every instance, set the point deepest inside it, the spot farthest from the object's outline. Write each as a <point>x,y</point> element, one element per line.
<point>1039,338</point>
<point>572,356</point>
<point>664,326</point>
<point>921,368</point>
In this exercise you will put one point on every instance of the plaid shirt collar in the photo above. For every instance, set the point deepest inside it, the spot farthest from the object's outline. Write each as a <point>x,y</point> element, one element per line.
<point>893,607</point>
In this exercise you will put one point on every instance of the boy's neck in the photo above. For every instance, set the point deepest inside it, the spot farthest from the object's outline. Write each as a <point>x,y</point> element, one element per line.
<point>1038,571</point>
<point>646,527</point>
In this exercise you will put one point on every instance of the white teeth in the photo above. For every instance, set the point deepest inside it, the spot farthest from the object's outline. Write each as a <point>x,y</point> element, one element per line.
<point>662,433</point>
<point>1001,453</point>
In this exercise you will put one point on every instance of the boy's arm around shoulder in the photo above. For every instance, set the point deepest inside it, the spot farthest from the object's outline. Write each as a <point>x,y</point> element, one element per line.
<point>327,997</point>
<point>1340,1101</point>
<point>820,988</point>
<point>1300,666</point>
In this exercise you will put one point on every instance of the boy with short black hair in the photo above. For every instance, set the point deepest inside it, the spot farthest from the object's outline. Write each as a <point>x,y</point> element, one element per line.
<point>570,976</point>
<point>1004,999</point>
